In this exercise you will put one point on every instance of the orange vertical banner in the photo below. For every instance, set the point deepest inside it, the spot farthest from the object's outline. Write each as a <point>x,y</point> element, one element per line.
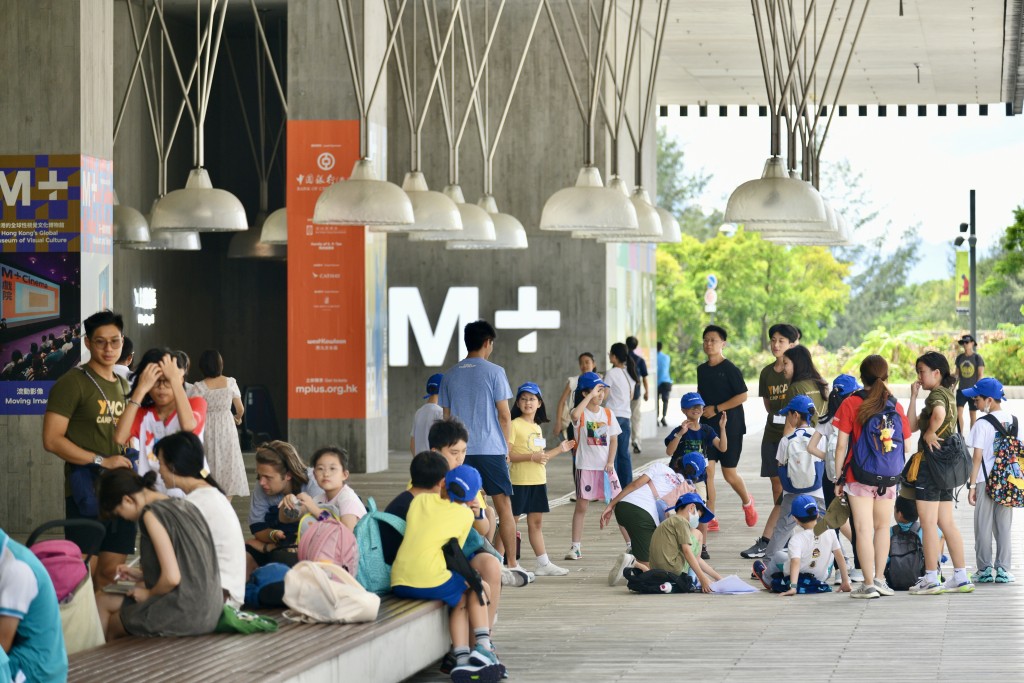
<point>326,279</point>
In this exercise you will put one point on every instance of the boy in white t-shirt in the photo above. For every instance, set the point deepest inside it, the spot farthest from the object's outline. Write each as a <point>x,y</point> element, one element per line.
<point>808,558</point>
<point>991,519</point>
<point>597,433</point>
<point>427,414</point>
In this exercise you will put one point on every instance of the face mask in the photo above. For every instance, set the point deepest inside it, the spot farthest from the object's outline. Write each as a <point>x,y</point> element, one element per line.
<point>694,520</point>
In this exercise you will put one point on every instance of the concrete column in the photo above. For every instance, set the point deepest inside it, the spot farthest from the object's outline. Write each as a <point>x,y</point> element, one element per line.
<point>58,59</point>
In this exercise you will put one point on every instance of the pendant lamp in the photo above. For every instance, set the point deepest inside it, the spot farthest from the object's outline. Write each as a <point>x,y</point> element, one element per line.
<point>171,240</point>
<point>275,228</point>
<point>670,231</point>
<point>648,220</point>
<point>248,244</point>
<point>477,225</point>
<point>509,233</point>
<point>129,225</point>
<point>775,198</point>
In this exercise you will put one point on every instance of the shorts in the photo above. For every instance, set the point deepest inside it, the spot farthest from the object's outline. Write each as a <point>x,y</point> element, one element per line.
<point>962,400</point>
<point>664,389</point>
<point>493,471</point>
<point>769,458</point>
<point>731,456</point>
<point>286,556</point>
<point>450,592</point>
<point>590,484</point>
<point>702,489</point>
<point>529,498</point>
<point>640,526</point>
<point>925,492</point>
<point>855,488</point>
<point>120,537</point>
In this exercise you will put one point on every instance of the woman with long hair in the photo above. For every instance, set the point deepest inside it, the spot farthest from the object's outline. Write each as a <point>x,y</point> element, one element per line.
<point>870,506</point>
<point>622,377</point>
<point>221,441</point>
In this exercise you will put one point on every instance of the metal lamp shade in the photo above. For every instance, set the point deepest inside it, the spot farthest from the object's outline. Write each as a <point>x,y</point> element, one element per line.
<point>670,231</point>
<point>589,205</point>
<point>199,207</point>
<point>130,226</point>
<point>170,240</point>
<point>362,199</point>
<point>249,245</point>
<point>647,218</point>
<point>774,198</point>
<point>477,225</point>
<point>275,228</point>
<point>432,210</point>
<point>834,234</point>
<point>509,232</point>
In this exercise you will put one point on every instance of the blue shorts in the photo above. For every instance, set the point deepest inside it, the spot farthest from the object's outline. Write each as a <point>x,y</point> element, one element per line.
<point>493,471</point>
<point>450,591</point>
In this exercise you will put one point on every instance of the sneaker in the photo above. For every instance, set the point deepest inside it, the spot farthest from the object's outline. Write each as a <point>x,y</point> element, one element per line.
<point>856,576</point>
<point>755,551</point>
<point>704,554</point>
<point>448,663</point>
<point>865,592</point>
<point>954,586</point>
<point>574,553</point>
<point>1003,576</point>
<point>986,575</point>
<point>494,654</point>
<point>481,667</point>
<point>572,498</point>
<point>622,562</point>
<point>550,569</point>
<point>759,570</point>
<point>926,587</point>
<point>514,577</point>
<point>882,587</point>
<point>713,525</point>
<point>636,447</point>
<point>750,512</point>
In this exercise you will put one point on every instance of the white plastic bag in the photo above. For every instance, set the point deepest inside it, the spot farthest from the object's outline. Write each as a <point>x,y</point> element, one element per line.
<point>322,592</point>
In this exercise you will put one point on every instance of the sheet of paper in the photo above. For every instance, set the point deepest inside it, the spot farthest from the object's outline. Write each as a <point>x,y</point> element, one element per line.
<point>732,585</point>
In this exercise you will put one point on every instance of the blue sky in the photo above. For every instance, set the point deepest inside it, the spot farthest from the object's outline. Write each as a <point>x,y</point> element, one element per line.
<point>915,169</point>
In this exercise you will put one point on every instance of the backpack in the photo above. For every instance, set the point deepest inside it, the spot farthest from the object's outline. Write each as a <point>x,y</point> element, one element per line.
<point>657,581</point>
<point>265,587</point>
<point>906,558</point>
<point>328,540</point>
<point>878,455</point>
<point>1005,483</point>
<point>830,455</point>
<point>322,592</point>
<point>800,472</point>
<point>374,573</point>
<point>63,562</point>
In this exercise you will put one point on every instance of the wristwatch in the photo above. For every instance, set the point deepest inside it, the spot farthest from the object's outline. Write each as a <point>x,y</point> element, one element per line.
<point>971,487</point>
<point>98,460</point>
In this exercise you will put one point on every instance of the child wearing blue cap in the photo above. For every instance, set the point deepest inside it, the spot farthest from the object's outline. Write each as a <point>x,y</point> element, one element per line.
<point>420,571</point>
<point>427,414</point>
<point>529,472</point>
<point>676,543</point>
<point>806,562</point>
<point>693,436</point>
<point>997,432</point>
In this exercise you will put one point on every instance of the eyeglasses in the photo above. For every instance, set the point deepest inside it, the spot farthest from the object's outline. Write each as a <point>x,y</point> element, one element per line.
<point>112,343</point>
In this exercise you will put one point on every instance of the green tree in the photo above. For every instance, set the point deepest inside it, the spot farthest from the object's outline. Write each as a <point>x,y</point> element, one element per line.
<point>1010,263</point>
<point>677,190</point>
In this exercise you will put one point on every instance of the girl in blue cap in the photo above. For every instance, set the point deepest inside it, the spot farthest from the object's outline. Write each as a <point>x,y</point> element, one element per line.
<point>528,471</point>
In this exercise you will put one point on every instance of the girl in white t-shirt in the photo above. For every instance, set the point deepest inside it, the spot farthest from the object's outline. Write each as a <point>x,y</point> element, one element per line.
<point>330,468</point>
<point>597,435</point>
<point>158,406</point>
<point>622,380</point>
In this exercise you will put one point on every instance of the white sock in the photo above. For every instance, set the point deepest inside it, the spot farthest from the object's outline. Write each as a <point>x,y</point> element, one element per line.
<point>960,575</point>
<point>542,560</point>
<point>931,575</point>
<point>577,545</point>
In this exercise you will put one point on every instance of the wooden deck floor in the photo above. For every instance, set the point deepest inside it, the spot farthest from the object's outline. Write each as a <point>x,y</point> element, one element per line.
<point>577,628</point>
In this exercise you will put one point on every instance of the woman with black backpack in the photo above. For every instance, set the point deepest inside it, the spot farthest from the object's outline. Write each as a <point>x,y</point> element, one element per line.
<point>932,489</point>
<point>872,427</point>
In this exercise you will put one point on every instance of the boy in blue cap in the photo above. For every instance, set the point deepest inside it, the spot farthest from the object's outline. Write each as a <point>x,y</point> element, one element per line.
<point>427,414</point>
<point>420,571</point>
<point>675,544</point>
<point>806,562</point>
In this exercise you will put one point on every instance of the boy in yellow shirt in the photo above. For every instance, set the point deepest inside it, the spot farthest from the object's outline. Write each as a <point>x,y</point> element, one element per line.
<point>420,571</point>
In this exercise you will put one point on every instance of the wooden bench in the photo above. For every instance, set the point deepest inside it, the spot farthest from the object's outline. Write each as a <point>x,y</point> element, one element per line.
<point>406,637</point>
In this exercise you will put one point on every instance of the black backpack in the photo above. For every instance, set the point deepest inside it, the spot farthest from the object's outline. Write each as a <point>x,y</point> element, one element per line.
<point>657,581</point>
<point>906,558</point>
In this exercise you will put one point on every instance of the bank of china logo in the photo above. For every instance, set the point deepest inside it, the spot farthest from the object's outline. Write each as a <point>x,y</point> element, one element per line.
<point>325,161</point>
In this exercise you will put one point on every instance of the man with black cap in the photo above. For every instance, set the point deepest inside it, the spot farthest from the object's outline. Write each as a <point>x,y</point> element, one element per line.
<point>970,367</point>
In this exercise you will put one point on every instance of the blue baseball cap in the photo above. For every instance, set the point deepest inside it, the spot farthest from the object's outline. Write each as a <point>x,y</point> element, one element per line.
<point>989,387</point>
<point>695,461</point>
<point>462,483</point>
<point>687,498</point>
<point>433,384</point>
<point>691,400</point>
<point>529,388</point>
<point>799,404</point>
<point>804,506</point>
<point>846,384</point>
<point>589,380</point>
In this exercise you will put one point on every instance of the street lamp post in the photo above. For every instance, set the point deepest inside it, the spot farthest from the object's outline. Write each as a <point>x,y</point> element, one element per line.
<point>972,243</point>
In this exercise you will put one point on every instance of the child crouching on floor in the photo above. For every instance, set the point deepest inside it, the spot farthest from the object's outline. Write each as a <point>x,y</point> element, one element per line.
<point>808,558</point>
<point>676,543</point>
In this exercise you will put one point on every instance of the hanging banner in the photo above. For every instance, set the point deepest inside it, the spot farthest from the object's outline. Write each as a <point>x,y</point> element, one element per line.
<point>963,282</point>
<point>326,279</point>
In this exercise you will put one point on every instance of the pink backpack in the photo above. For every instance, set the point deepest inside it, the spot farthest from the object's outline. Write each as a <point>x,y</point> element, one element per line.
<point>63,562</point>
<point>328,540</point>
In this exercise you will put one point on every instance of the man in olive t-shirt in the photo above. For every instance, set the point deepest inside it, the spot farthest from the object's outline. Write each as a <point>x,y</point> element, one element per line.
<point>81,414</point>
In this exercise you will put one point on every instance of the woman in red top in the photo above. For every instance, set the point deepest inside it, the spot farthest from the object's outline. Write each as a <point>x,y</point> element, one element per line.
<point>871,511</point>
